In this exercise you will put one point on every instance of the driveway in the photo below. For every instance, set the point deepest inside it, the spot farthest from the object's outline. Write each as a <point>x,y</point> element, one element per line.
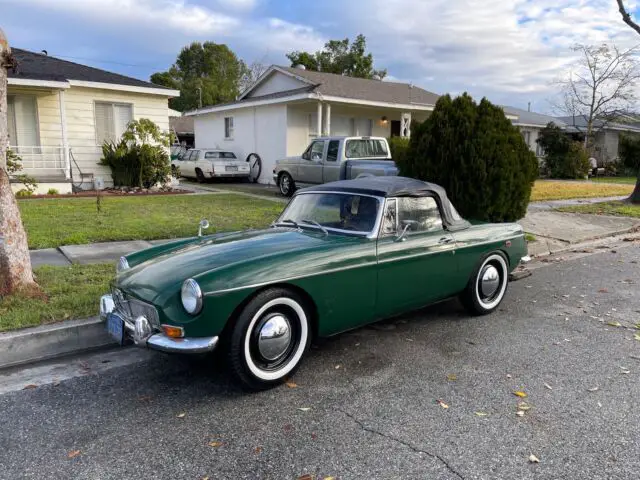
<point>370,403</point>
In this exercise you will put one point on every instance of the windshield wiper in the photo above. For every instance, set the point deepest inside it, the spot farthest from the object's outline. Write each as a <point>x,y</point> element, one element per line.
<point>292,222</point>
<point>313,222</point>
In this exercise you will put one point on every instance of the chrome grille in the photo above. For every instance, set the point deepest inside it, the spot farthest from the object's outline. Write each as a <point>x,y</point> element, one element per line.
<point>132,308</point>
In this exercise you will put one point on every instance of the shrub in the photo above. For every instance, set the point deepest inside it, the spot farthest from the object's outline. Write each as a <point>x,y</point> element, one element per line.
<point>14,165</point>
<point>564,158</point>
<point>53,191</point>
<point>477,155</point>
<point>140,158</point>
<point>399,147</point>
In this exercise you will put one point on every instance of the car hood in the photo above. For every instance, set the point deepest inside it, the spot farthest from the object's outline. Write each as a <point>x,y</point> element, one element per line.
<point>168,270</point>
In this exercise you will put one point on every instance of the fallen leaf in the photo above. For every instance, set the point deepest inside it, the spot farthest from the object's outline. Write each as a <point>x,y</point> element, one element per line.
<point>216,444</point>
<point>533,459</point>
<point>144,398</point>
<point>308,476</point>
<point>291,384</point>
<point>548,386</point>
<point>508,375</point>
<point>520,394</point>
<point>181,415</point>
<point>452,377</point>
<point>636,336</point>
<point>524,406</point>
<point>258,450</point>
<point>73,453</point>
<point>204,478</point>
<point>442,404</point>
<point>593,389</point>
<point>603,290</point>
<point>565,296</point>
<point>304,409</point>
<point>30,386</point>
<point>481,414</point>
<point>329,478</point>
<point>614,324</point>
<point>338,366</point>
<point>520,413</point>
<point>314,436</point>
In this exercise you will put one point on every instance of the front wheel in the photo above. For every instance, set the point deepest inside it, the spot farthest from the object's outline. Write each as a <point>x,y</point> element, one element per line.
<point>269,339</point>
<point>200,176</point>
<point>487,285</point>
<point>286,185</point>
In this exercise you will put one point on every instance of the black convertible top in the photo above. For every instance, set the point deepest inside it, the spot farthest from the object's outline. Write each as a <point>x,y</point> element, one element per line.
<point>389,187</point>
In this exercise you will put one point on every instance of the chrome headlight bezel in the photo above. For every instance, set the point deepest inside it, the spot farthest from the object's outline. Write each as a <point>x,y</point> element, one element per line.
<point>191,296</point>
<point>122,265</point>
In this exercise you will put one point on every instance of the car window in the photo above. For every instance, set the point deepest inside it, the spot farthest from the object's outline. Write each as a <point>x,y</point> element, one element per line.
<point>317,149</point>
<point>365,147</point>
<point>390,218</point>
<point>228,155</point>
<point>422,212</point>
<point>211,155</point>
<point>193,156</point>
<point>332,150</point>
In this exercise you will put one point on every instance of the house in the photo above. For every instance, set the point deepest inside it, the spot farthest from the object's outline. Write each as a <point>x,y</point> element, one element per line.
<point>287,107</point>
<point>60,113</point>
<point>530,124</point>
<point>182,128</point>
<point>606,137</point>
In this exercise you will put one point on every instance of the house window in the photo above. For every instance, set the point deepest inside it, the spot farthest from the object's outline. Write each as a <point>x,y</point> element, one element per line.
<point>22,118</point>
<point>527,137</point>
<point>228,128</point>
<point>364,127</point>
<point>111,120</point>
<point>539,151</point>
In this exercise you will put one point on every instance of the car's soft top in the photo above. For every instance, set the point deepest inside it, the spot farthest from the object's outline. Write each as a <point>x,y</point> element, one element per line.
<point>391,186</point>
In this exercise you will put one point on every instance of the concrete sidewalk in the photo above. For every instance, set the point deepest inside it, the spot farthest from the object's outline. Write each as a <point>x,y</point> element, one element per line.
<point>553,204</point>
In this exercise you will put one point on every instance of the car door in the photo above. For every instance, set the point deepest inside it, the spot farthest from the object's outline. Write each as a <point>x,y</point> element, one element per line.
<point>310,168</point>
<point>416,256</point>
<point>188,165</point>
<point>331,165</point>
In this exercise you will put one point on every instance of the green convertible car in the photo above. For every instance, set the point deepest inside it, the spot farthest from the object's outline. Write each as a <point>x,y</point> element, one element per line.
<point>341,255</point>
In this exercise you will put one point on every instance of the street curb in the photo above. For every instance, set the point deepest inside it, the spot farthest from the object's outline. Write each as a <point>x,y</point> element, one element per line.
<point>591,243</point>
<point>35,344</point>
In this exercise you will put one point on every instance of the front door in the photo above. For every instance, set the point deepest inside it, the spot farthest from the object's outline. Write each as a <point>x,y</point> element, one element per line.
<point>310,167</point>
<point>416,268</point>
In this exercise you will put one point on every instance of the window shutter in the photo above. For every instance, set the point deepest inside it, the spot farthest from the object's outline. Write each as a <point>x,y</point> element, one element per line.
<point>23,121</point>
<point>104,123</point>
<point>122,116</point>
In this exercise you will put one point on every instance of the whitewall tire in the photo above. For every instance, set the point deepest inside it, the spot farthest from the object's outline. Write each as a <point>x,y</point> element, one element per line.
<point>488,285</point>
<point>269,338</point>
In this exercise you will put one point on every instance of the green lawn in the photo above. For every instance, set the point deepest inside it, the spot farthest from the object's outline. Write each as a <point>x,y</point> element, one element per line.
<point>563,190</point>
<point>62,221</point>
<point>624,180</point>
<point>607,208</point>
<point>69,292</point>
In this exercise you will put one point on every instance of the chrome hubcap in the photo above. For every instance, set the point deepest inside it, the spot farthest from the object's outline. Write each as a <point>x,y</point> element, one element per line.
<point>490,281</point>
<point>274,338</point>
<point>285,183</point>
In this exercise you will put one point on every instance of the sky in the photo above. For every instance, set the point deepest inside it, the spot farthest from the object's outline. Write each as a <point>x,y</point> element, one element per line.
<point>511,51</point>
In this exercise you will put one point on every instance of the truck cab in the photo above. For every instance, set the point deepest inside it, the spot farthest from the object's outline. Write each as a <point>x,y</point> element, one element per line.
<point>328,159</point>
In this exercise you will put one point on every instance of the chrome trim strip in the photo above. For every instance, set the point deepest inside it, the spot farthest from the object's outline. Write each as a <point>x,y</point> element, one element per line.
<point>421,254</point>
<point>287,279</point>
<point>162,343</point>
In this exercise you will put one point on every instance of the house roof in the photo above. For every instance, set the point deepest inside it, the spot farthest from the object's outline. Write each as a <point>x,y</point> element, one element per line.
<point>526,117</point>
<point>578,123</point>
<point>38,66</point>
<point>364,89</point>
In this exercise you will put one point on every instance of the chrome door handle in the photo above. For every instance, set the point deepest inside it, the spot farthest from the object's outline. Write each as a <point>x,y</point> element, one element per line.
<point>445,240</point>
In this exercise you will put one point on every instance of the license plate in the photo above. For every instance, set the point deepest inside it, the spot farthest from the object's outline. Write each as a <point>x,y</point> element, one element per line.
<point>231,168</point>
<point>115,327</point>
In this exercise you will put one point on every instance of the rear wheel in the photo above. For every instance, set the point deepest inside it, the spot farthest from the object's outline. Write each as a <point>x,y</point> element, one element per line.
<point>200,176</point>
<point>269,339</point>
<point>255,167</point>
<point>487,285</point>
<point>286,184</point>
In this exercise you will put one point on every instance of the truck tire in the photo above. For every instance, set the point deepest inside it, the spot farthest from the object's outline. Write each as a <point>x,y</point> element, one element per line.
<point>286,184</point>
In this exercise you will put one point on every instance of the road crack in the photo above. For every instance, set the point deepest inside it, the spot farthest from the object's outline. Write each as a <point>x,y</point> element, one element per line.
<point>402,442</point>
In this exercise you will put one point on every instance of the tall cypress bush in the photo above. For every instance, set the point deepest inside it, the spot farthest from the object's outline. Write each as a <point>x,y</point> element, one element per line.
<point>477,155</point>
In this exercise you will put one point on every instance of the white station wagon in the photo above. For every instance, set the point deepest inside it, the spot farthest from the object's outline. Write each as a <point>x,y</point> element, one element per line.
<point>204,163</point>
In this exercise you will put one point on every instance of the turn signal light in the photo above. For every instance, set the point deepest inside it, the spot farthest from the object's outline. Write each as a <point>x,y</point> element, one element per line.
<point>173,332</point>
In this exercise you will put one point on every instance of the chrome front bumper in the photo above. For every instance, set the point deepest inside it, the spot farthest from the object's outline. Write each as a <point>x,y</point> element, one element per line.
<point>140,331</point>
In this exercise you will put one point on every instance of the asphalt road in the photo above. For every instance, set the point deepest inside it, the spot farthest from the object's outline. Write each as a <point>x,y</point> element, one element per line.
<point>372,399</point>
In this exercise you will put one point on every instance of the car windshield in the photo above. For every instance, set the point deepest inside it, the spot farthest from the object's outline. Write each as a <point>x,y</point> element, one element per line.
<point>341,212</point>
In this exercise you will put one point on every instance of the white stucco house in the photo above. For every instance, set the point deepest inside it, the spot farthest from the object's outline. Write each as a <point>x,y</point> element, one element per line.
<point>287,107</point>
<point>530,124</point>
<point>60,113</point>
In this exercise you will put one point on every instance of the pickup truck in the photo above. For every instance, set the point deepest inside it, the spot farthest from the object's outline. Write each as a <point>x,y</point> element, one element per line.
<point>328,159</point>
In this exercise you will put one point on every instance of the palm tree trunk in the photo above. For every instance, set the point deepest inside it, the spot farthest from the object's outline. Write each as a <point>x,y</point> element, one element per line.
<point>15,262</point>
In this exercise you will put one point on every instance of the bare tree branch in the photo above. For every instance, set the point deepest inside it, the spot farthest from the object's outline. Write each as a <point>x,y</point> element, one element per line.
<point>626,18</point>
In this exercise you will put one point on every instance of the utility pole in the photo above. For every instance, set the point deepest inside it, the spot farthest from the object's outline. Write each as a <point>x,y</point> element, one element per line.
<point>200,97</point>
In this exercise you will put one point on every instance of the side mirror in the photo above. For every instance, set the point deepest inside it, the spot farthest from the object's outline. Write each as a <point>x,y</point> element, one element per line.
<point>203,225</point>
<point>407,224</point>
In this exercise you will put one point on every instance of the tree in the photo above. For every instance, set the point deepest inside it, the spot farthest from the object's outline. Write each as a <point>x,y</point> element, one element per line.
<point>629,150</point>
<point>251,74</point>
<point>15,263</point>
<point>477,155</point>
<point>600,86</point>
<point>564,158</point>
<point>339,57</point>
<point>207,71</point>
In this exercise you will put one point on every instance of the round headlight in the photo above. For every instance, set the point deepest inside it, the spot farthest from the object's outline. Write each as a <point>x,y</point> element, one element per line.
<point>191,296</point>
<point>122,265</point>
